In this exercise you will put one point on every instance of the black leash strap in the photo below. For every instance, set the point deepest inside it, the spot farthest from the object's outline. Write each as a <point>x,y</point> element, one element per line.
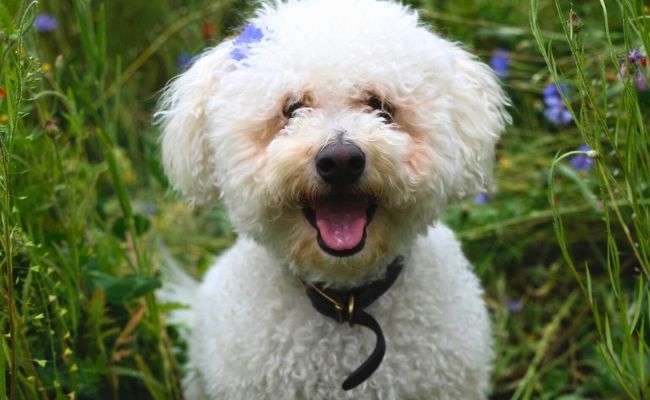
<point>348,306</point>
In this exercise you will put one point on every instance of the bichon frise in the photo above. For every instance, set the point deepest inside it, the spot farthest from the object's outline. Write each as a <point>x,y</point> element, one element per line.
<point>334,132</point>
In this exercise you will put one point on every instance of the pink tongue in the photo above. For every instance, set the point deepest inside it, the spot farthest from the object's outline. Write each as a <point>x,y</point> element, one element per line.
<point>341,222</point>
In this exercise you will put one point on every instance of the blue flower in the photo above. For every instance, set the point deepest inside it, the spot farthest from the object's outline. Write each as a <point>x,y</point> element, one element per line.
<point>242,43</point>
<point>514,306</point>
<point>45,23</point>
<point>184,61</point>
<point>583,162</point>
<point>553,94</point>
<point>482,198</point>
<point>555,111</point>
<point>640,80</point>
<point>500,62</point>
<point>635,57</point>
<point>636,62</point>
<point>558,115</point>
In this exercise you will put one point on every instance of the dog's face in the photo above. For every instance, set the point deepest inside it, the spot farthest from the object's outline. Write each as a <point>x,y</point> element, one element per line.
<point>334,131</point>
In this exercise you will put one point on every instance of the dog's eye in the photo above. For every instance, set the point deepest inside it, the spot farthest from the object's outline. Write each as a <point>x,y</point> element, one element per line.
<point>289,110</point>
<point>386,110</point>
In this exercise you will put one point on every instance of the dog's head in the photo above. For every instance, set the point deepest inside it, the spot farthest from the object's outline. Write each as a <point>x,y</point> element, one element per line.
<point>334,131</point>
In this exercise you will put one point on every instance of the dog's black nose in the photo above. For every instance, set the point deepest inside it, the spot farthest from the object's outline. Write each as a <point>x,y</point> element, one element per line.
<point>340,163</point>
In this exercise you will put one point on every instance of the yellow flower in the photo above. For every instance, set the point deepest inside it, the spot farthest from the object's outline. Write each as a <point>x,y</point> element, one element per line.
<point>505,163</point>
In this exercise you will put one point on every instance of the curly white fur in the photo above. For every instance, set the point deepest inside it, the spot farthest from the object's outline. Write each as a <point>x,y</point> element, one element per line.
<point>255,334</point>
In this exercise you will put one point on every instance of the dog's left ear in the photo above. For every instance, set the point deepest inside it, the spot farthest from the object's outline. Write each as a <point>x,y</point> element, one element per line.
<point>186,152</point>
<point>479,116</point>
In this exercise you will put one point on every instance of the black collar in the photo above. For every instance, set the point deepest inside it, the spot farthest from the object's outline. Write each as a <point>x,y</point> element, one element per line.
<point>348,305</point>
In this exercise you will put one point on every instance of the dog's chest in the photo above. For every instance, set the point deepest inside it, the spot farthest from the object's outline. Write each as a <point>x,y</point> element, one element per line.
<point>281,344</point>
<point>255,335</point>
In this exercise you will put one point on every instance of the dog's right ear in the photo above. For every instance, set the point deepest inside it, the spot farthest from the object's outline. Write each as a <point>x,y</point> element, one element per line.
<point>187,155</point>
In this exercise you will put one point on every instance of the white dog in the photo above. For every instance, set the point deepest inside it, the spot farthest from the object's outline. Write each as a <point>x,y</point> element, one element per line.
<point>334,132</point>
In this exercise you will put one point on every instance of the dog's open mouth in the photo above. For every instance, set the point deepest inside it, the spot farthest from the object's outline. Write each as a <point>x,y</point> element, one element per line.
<point>341,221</point>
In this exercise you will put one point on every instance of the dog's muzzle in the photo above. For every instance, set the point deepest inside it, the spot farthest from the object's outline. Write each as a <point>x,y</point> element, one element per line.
<point>341,217</point>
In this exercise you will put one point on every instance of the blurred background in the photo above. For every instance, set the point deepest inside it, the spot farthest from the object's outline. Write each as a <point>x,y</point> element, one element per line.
<point>561,244</point>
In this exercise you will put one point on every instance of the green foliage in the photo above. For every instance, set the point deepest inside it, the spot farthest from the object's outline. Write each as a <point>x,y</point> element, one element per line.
<point>613,120</point>
<point>78,252</point>
<point>563,252</point>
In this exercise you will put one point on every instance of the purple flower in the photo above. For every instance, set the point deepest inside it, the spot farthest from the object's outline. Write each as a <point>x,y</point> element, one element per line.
<point>514,306</point>
<point>634,56</point>
<point>45,23</point>
<point>634,64</point>
<point>184,61</point>
<point>500,62</point>
<point>242,43</point>
<point>583,162</point>
<point>553,94</point>
<point>640,80</point>
<point>558,115</point>
<point>482,198</point>
<point>555,111</point>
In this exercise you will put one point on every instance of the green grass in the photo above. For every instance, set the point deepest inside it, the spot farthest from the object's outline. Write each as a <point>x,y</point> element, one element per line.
<point>84,207</point>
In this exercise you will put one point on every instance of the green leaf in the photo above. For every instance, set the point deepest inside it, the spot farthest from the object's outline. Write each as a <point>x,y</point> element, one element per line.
<point>130,287</point>
<point>7,25</point>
